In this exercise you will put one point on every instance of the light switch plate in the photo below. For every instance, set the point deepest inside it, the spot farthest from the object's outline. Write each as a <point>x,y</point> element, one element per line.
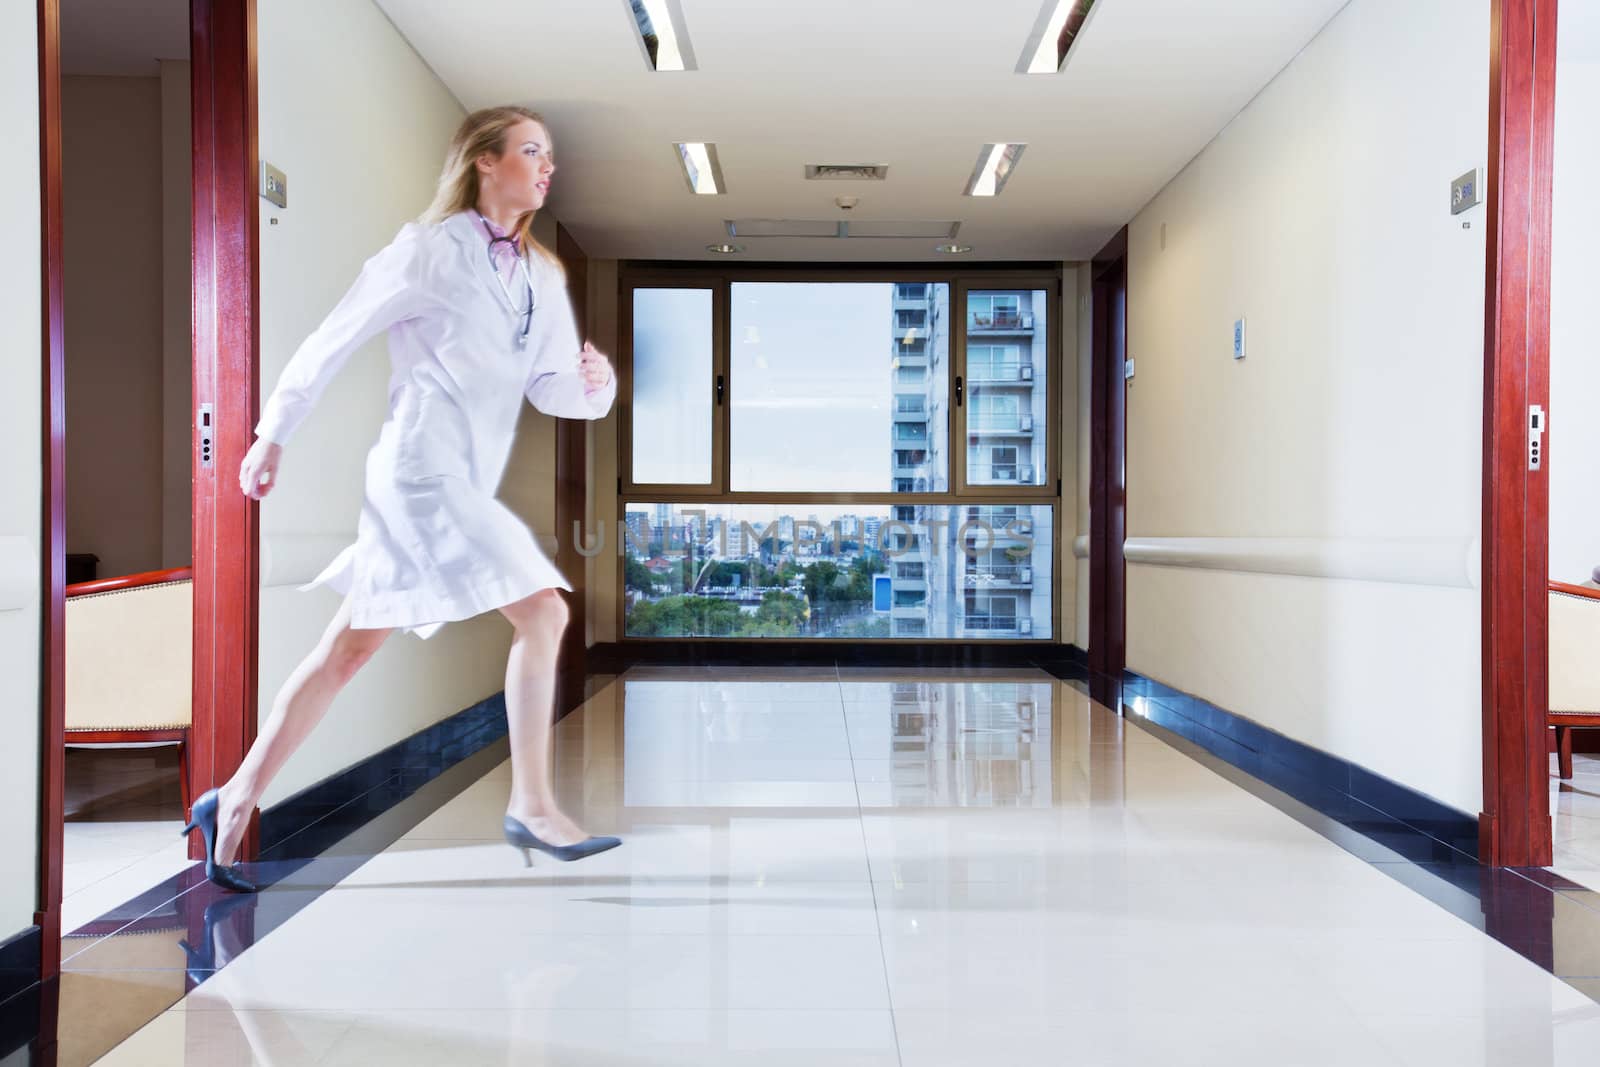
<point>1238,338</point>
<point>274,186</point>
<point>1466,192</point>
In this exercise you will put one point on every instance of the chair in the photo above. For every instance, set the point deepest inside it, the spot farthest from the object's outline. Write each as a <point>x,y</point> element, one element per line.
<point>129,664</point>
<point>1574,665</point>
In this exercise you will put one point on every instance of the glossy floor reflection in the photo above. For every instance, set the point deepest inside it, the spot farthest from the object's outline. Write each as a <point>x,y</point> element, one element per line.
<point>840,866</point>
<point>123,813</point>
<point>1575,820</point>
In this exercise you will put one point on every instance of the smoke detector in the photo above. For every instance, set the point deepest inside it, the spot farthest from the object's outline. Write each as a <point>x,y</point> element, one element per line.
<point>847,202</point>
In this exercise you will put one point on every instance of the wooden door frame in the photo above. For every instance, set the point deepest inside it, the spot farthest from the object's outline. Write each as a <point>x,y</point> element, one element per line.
<point>227,344</point>
<point>225,351</point>
<point>53,531</point>
<point>1514,827</point>
<point>1108,405</point>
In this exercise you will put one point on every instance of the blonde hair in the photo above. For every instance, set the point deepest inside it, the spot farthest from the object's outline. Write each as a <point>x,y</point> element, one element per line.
<point>482,133</point>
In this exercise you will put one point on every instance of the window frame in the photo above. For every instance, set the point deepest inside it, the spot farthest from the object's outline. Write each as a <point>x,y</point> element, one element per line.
<point>720,279</point>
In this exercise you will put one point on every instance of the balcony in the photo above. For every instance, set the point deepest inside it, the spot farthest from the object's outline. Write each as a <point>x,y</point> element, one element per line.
<point>997,322</point>
<point>1001,372</point>
<point>1001,425</point>
<point>1000,576</point>
<point>911,409</point>
<point>1021,473</point>
<point>991,623</point>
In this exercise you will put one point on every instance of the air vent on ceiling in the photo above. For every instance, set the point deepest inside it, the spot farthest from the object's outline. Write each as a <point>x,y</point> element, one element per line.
<point>855,228</point>
<point>846,172</point>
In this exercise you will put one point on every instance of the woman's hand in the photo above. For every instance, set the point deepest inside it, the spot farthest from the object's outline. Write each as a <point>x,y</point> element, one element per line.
<point>259,471</point>
<point>595,366</point>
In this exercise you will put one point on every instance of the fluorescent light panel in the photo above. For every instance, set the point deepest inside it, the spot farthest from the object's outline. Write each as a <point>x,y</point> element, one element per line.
<point>663,20</point>
<point>995,164</point>
<point>1060,24</point>
<point>700,166</point>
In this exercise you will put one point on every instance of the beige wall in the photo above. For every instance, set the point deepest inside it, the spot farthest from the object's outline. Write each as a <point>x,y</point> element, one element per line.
<point>19,475</point>
<point>1348,441</point>
<point>177,359</point>
<point>112,202</point>
<point>356,172</point>
<point>1575,319</point>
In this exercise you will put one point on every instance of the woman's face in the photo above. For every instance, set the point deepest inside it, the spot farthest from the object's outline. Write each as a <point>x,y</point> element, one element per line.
<point>521,175</point>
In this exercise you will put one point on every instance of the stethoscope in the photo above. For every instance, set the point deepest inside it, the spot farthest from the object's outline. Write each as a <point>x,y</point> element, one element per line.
<point>522,264</point>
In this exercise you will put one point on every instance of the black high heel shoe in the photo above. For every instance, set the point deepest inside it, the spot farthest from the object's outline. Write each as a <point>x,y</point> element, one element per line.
<point>203,817</point>
<point>521,837</point>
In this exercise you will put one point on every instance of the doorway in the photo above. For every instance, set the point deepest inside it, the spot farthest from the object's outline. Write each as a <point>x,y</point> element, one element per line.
<point>209,266</point>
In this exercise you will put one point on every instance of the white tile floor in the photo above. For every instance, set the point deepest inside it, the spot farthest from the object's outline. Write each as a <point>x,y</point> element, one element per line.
<point>1575,810</point>
<point>121,833</point>
<point>1019,878</point>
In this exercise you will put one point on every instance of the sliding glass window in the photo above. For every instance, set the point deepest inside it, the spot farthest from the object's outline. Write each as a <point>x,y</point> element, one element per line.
<point>788,469</point>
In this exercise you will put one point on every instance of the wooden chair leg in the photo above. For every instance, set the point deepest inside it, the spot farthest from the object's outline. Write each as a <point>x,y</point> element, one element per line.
<point>1564,751</point>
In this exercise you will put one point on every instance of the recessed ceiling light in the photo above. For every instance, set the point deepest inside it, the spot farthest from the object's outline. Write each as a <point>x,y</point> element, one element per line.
<point>1057,29</point>
<point>995,164</point>
<point>724,250</point>
<point>953,250</point>
<point>701,167</point>
<point>661,33</point>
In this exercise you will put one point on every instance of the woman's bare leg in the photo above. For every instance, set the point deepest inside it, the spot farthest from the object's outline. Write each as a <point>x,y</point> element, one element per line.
<point>299,706</point>
<point>539,621</point>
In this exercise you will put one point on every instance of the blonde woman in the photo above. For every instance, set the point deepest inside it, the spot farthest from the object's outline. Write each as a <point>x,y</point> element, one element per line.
<point>478,317</point>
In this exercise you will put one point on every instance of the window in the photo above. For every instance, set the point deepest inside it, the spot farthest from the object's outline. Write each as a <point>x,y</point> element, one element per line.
<point>1007,395</point>
<point>994,311</point>
<point>1003,464</point>
<point>672,360</point>
<point>787,460</point>
<point>713,569</point>
<point>994,363</point>
<point>817,399</point>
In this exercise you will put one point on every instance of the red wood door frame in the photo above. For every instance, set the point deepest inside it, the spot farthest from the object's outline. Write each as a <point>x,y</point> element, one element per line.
<point>53,533</point>
<point>1514,827</point>
<point>1107,458</point>
<point>226,370</point>
<point>225,281</point>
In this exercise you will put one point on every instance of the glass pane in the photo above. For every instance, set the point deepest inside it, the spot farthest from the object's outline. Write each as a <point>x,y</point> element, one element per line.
<point>672,360</point>
<point>853,570</point>
<point>840,387</point>
<point>1007,404</point>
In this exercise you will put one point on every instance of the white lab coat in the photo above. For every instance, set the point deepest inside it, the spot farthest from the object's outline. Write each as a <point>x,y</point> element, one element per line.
<point>433,545</point>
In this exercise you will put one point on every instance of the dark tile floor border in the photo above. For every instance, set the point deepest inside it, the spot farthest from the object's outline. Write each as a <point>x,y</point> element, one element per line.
<point>19,962</point>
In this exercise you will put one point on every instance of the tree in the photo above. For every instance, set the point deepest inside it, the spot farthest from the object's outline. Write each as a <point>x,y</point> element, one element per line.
<point>635,575</point>
<point>683,616</point>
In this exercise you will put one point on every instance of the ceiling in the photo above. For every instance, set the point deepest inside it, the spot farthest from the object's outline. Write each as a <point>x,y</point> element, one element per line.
<point>920,85</point>
<point>122,37</point>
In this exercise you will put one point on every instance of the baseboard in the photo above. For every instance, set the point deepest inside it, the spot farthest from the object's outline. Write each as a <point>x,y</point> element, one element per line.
<point>20,956</point>
<point>1308,774</point>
